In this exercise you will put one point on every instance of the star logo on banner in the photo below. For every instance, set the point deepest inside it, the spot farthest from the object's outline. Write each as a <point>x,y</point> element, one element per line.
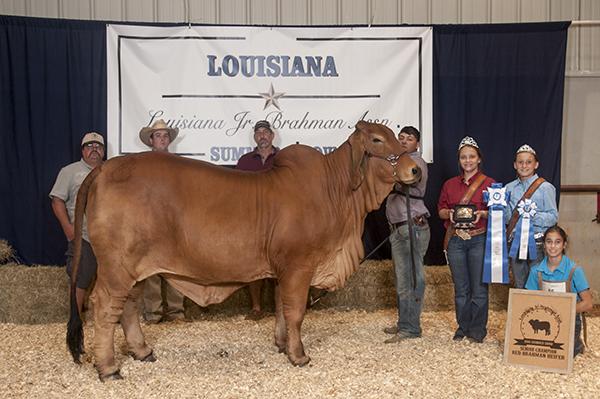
<point>271,98</point>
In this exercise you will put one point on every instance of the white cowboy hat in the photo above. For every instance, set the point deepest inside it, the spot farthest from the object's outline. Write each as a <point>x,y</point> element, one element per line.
<point>160,124</point>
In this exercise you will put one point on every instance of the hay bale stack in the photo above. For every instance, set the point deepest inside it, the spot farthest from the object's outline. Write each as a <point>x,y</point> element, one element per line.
<point>33,294</point>
<point>7,253</point>
<point>40,294</point>
<point>372,287</point>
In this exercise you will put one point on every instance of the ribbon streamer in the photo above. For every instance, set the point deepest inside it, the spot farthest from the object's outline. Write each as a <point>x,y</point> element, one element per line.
<point>495,262</point>
<point>523,245</point>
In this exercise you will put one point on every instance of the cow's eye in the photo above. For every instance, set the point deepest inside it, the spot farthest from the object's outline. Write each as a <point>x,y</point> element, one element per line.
<point>376,140</point>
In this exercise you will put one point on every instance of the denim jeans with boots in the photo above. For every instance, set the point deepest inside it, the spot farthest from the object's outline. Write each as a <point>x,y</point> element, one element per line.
<point>410,300</point>
<point>470,293</point>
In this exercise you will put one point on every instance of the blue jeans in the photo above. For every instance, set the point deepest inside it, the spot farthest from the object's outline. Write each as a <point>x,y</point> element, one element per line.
<point>409,299</point>
<point>521,267</point>
<point>470,294</point>
<point>578,347</point>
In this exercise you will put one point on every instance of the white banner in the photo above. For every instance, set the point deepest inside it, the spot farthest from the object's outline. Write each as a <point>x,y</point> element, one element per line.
<point>312,84</point>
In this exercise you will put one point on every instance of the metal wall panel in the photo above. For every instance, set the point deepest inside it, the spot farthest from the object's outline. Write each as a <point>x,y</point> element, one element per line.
<point>385,12</point>
<point>42,8</point>
<point>445,11</point>
<point>140,10</point>
<point>264,12</point>
<point>590,37</point>
<point>561,10</point>
<point>504,11</point>
<point>475,11</point>
<point>583,49</point>
<point>324,12</point>
<point>534,10</point>
<point>416,11</point>
<point>75,9</point>
<point>355,12</point>
<point>294,12</point>
<point>108,10</point>
<point>13,7</point>
<point>233,12</point>
<point>171,10</point>
<point>203,11</point>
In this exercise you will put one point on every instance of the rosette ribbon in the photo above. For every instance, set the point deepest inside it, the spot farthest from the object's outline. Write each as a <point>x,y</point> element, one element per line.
<point>495,262</point>
<point>523,244</point>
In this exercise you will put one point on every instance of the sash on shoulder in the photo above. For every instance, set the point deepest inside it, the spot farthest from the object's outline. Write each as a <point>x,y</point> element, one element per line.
<point>495,263</point>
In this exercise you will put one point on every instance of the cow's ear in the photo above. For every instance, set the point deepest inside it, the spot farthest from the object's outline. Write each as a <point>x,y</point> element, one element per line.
<point>357,143</point>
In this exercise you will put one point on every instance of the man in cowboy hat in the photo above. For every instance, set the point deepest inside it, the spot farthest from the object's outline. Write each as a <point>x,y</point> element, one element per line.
<point>259,159</point>
<point>64,196</point>
<point>158,137</point>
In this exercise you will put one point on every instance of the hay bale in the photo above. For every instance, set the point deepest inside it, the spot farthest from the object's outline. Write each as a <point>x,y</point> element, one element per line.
<point>7,253</point>
<point>372,287</point>
<point>40,294</point>
<point>33,294</point>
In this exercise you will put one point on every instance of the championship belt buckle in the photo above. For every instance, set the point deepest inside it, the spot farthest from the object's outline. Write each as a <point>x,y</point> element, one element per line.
<point>463,234</point>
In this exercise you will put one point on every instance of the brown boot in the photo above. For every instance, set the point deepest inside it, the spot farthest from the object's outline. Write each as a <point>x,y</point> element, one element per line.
<point>391,330</point>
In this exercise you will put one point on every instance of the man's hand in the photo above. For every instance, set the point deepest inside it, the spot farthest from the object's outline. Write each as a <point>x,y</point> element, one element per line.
<point>60,211</point>
<point>69,231</point>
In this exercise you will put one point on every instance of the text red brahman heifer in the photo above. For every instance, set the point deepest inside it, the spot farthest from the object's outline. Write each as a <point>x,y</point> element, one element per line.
<point>210,230</point>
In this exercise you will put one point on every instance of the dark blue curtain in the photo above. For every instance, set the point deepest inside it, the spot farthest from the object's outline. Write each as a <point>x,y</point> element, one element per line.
<point>52,91</point>
<point>502,84</point>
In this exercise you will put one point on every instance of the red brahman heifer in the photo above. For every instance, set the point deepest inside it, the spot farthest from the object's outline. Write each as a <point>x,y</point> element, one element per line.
<point>217,229</point>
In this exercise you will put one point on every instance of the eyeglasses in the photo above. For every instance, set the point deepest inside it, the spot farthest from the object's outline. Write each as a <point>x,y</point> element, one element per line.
<point>93,145</point>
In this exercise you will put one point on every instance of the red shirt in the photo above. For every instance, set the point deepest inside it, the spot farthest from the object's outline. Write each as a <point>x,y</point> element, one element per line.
<point>252,161</point>
<point>453,191</point>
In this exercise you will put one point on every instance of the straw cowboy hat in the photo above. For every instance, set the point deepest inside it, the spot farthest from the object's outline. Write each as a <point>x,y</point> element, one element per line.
<point>160,124</point>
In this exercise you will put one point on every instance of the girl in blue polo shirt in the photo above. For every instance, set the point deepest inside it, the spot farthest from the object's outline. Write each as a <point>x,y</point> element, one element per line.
<point>558,273</point>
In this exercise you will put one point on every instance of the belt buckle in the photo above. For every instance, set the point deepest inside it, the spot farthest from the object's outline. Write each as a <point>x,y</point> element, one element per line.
<point>463,234</point>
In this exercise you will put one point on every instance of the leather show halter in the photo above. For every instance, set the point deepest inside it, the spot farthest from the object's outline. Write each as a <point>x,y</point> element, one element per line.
<point>392,159</point>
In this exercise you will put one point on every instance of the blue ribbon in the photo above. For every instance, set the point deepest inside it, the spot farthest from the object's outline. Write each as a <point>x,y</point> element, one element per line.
<point>516,243</point>
<point>497,198</point>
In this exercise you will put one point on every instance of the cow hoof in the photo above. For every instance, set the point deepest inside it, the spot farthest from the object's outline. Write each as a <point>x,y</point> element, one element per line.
<point>113,376</point>
<point>280,347</point>
<point>300,362</point>
<point>148,358</point>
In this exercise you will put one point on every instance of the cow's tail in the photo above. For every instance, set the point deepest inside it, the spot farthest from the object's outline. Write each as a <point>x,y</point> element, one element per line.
<point>75,324</point>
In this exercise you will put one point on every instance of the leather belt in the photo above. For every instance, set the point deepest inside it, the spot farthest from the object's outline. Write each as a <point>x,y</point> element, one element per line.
<point>467,234</point>
<point>420,220</point>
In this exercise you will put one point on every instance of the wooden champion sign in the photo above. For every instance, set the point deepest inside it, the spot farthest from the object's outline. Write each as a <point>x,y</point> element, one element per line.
<point>539,330</point>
